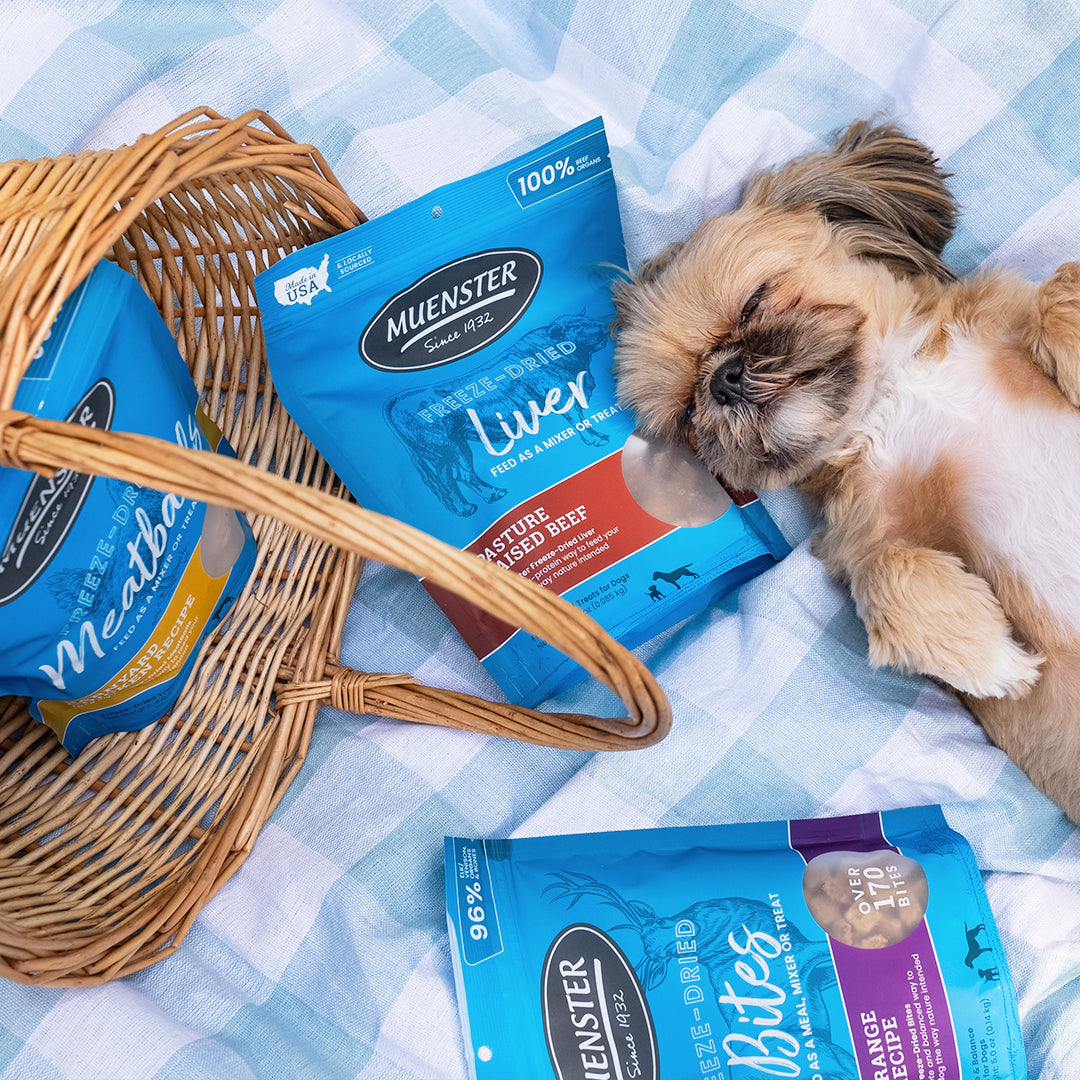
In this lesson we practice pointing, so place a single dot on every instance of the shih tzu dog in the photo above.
(814, 336)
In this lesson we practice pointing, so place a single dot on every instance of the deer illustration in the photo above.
(714, 920)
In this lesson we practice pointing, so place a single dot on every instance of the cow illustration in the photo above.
(490, 404)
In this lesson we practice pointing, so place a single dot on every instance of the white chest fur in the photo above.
(1017, 451)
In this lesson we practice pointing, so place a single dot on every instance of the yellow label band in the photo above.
(164, 654)
(209, 428)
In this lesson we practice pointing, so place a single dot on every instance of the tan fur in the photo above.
(1055, 341)
(998, 306)
(814, 336)
(1041, 731)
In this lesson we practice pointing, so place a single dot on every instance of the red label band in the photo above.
(558, 538)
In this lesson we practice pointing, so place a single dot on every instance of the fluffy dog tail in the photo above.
(881, 190)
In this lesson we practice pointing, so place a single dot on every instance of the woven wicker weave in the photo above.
(106, 860)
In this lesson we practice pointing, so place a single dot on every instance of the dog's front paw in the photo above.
(999, 669)
(927, 615)
(1012, 674)
(1005, 671)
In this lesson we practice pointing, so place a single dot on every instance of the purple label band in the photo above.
(894, 997)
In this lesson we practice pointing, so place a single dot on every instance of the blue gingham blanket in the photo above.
(326, 955)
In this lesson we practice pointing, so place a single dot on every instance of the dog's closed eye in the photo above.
(752, 304)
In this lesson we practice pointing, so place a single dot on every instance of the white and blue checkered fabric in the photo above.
(326, 955)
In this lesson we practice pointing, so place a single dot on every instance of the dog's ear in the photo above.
(652, 268)
(882, 191)
(625, 291)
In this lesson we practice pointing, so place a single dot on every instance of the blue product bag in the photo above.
(452, 361)
(108, 589)
(850, 948)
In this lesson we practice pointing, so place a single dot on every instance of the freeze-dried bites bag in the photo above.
(108, 589)
(719, 952)
(451, 360)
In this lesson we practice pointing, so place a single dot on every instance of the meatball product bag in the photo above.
(850, 948)
(108, 589)
(452, 361)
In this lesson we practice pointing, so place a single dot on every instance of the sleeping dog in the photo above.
(814, 336)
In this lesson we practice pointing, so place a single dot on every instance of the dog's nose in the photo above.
(726, 384)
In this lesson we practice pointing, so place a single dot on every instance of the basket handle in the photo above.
(47, 446)
(401, 697)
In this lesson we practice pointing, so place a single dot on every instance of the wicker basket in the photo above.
(106, 859)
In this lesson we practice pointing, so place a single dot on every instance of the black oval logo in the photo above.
(596, 1018)
(51, 505)
(453, 311)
